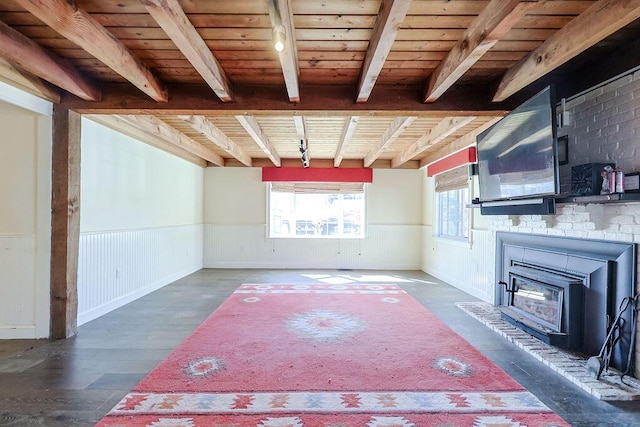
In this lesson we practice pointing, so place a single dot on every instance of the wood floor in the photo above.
(75, 382)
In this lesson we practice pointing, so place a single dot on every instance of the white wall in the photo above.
(465, 265)
(234, 196)
(395, 197)
(140, 220)
(236, 226)
(25, 158)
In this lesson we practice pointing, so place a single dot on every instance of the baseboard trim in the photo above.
(22, 332)
(458, 284)
(254, 265)
(103, 309)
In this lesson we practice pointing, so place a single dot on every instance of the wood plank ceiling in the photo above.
(392, 83)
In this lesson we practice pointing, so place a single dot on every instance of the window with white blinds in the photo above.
(452, 196)
(316, 210)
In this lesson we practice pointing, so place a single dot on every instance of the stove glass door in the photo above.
(538, 301)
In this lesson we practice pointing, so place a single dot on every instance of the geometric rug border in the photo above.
(139, 403)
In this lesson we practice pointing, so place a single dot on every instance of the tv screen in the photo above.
(517, 157)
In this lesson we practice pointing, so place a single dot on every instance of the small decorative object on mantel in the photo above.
(607, 175)
(612, 180)
(618, 175)
(587, 179)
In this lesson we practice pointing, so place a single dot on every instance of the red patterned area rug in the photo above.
(330, 356)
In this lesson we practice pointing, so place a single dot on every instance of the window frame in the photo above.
(462, 209)
(361, 235)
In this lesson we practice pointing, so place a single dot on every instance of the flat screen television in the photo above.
(517, 157)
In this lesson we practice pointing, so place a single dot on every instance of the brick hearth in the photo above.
(568, 364)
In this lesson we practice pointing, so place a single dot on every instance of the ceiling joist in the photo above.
(390, 17)
(459, 144)
(28, 82)
(497, 18)
(282, 16)
(210, 131)
(599, 21)
(170, 16)
(126, 127)
(301, 130)
(77, 25)
(347, 133)
(391, 134)
(437, 134)
(251, 125)
(155, 126)
(348, 68)
(301, 127)
(31, 57)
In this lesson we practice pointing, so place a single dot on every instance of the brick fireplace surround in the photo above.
(604, 273)
(602, 125)
(616, 222)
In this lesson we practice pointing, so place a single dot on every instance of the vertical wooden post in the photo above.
(65, 222)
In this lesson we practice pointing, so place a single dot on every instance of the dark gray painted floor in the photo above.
(77, 381)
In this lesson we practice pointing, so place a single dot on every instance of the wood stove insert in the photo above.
(544, 303)
(566, 291)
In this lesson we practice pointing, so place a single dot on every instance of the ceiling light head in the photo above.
(279, 38)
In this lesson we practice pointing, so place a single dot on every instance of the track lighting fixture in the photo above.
(303, 150)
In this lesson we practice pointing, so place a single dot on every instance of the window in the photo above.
(311, 210)
(452, 219)
(452, 195)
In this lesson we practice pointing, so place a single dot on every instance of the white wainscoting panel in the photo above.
(17, 287)
(117, 267)
(393, 247)
(467, 266)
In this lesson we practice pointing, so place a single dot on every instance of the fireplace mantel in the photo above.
(601, 198)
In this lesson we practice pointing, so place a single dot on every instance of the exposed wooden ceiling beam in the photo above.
(78, 26)
(157, 127)
(30, 56)
(251, 125)
(497, 18)
(391, 134)
(170, 16)
(318, 100)
(347, 133)
(281, 14)
(210, 131)
(437, 134)
(127, 128)
(390, 16)
(28, 82)
(597, 22)
(301, 130)
(301, 127)
(460, 143)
